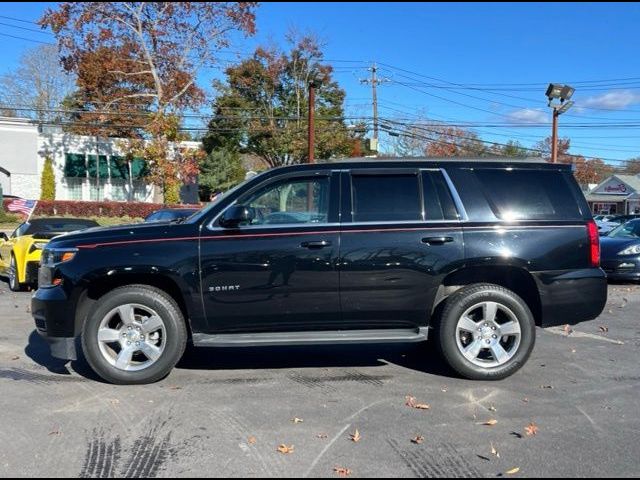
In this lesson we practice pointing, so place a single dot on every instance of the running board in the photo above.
(407, 335)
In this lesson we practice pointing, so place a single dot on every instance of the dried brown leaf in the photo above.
(531, 429)
(567, 329)
(513, 471)
(322, 435)
(412, 402)
(342, 471)
(297, 420)
(492, 408)
(489, 423)
(285, 449)
(355, 437)
(16, 357)
(417, 440)
(251, 440)
(603, 328)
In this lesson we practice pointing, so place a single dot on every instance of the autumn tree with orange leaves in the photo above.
(137, 64)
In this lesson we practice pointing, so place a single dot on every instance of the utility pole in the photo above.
(312, 107)
(374, 81)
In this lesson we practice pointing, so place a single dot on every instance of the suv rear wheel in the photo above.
(136, 334)
(486, 332)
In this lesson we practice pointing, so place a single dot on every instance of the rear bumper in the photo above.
(571, 297)
(54, 316)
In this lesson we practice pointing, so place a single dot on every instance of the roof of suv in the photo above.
(535, 162)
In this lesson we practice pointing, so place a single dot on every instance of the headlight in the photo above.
(55, 256)
(632, 250)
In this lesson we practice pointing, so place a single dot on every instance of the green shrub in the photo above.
(48, 181)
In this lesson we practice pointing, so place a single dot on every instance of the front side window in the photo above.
(385, 198)
(290, 202)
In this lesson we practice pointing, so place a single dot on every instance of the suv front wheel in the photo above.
(486, 332)
(136, 334)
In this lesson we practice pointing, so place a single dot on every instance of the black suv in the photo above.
(473, 253)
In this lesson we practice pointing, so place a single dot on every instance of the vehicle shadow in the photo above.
(419, 357)
(38, 350)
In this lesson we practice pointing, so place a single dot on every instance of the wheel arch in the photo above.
(99, 286)
(517, 279)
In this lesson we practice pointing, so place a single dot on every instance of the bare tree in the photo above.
(37, 86)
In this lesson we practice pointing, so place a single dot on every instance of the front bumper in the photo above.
(622, 267)
(54, 316)
(570, 297)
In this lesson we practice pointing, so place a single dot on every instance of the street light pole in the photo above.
(562, 93)
(554, 137)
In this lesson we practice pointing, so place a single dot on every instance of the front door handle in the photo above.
(437, 240)
(316, 244)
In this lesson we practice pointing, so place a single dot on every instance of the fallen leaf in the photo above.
(411, 402)
(322, 435)
(516, 434)
(342, 471)
(531, 429)
(492, 408)
(603, 329)
(546, 387)
(114, 401)
(513, 471)
(297, 420)
(444, 389)
(355, 437)
(285, 449)
(525, 400)
(417, 440)
(494, 451)
(251, 440)
(16, 357)
(489, 423)
(567, 329)
(55, 432)
(573, 350)
(175, 387)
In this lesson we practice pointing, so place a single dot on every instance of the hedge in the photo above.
(98, 209)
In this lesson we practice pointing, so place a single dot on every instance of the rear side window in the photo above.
(528, 194)
(437, 198)
(381, 198)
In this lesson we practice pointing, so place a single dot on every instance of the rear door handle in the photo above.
(316, 244)
(437, 240)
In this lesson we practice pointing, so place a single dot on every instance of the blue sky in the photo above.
(486, 63)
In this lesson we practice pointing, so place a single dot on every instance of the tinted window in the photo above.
(437, 198)
(292, 201)
(528, 194)
(58, 226)
(379, 198)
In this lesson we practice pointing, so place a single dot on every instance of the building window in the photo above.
(75, 165)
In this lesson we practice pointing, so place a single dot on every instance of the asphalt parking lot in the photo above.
(225, 412)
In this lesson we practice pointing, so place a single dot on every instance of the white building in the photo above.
(616, 194)
(86, 168)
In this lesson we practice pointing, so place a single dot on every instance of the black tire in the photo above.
(175, 341)
(462, 300)
(14, 276)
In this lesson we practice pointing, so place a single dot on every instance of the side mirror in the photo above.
(235, 215)
(3, 236)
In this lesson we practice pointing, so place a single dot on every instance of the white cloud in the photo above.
(528, 115)
(618, 100)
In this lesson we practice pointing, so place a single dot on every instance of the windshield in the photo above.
(626, 230)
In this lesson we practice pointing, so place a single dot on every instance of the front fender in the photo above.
(23, 255)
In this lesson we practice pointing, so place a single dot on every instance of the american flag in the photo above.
(26, 207)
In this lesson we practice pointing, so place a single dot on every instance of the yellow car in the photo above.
(20, 252)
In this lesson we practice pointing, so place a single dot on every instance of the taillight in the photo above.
(594, 244)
